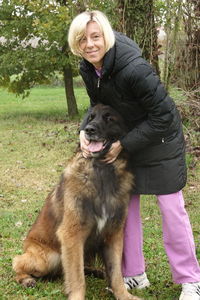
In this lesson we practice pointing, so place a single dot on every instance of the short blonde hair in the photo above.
(78, 27)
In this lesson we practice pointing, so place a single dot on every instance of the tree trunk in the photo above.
(187, 63)
(167, 47)
(137, 22)
(69, 91)
(171, 44)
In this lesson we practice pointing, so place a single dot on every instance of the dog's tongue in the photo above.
(95, 146)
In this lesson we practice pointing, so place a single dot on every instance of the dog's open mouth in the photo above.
(97, 146)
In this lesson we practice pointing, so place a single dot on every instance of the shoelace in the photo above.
(190, 289)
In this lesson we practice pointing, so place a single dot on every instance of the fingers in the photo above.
(85, 153)
(113, 153)
(109, 160)
(83, 140)
(84, 145)
(110, 157)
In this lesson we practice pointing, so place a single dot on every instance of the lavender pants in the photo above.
(177, 235)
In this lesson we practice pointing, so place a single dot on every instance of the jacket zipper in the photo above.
(98, 82)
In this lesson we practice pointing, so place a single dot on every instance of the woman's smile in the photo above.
(92, 45)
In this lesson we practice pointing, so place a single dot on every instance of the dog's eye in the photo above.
(108, 117)
(91, 117)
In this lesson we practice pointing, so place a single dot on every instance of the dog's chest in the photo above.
(102, 219)
(104, 205)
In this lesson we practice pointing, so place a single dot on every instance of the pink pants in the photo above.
(177, 235)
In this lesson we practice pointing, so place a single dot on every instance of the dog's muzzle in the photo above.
(97, 143)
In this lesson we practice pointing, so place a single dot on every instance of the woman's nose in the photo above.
(90, 42)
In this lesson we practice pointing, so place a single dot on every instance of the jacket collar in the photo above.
(108, 63)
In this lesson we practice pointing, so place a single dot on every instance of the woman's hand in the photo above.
(84, 144)
(113, 153)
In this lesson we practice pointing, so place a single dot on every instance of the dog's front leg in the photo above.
(72, 237)
(113, 256)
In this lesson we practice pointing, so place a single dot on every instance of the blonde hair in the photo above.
(78, 27)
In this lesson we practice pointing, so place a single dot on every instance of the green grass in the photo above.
(36, 139)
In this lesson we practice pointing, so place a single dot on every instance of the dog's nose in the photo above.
(90, 129)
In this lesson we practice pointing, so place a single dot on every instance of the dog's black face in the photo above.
(104, 126)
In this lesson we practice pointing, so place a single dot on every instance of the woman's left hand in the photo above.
(113, 153)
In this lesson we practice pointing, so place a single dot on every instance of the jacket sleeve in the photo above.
(91, 97)
(150, 94)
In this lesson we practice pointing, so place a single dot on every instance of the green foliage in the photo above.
(34, 46)
(166, 12)
(34, 40)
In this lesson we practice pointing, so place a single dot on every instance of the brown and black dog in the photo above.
(83, 215)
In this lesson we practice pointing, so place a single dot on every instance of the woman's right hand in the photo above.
(84, 144)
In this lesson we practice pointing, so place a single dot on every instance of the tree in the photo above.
(180, 19)
(33, 40)
(187, 67)
(34, 45)
(137, 21)
(172, 26)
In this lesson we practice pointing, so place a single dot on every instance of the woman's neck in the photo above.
(98, 71)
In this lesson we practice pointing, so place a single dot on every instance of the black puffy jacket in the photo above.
(155, 139)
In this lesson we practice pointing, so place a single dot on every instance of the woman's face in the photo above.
(92, 45)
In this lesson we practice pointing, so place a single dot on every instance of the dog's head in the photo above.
(103, 127)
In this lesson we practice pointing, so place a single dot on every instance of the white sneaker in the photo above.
(190, 291)
(138, 282)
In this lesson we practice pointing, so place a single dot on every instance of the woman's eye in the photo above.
(83, 39)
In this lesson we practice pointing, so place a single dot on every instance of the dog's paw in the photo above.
(28, 282)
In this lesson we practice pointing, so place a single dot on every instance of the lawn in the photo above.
(36, 140)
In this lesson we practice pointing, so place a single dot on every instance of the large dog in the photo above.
(83, 215)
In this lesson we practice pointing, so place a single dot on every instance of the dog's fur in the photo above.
(83, 215)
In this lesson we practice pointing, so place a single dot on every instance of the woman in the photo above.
(115, 74)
